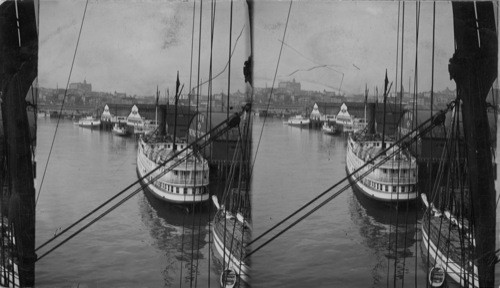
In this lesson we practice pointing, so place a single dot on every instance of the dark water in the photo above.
(140, 244)
(345, 243)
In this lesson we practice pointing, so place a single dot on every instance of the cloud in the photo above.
(172, 27)
(375, 11)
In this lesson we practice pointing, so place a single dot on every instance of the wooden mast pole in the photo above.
(474, 69)
(18, 70)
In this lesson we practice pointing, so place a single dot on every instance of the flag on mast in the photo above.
(157, 95)
(386, 82)
(177, 84)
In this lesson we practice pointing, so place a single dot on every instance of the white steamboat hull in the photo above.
(241, 269)
(452, 268)
(391, 197)
(144, 166)
(120, 132)
(299, 123)
(90, 124)
(382, 196)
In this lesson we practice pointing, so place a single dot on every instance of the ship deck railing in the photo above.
(450, 239)
(394, 180)
(188, 181)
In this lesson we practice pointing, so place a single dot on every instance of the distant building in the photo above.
(290, 87)
(81, 87)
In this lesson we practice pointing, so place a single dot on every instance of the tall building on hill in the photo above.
(290, 86)
(81, 87)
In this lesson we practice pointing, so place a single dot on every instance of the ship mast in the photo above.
(474, 69)
(366, 100)
(177, 95)
(386, 81)
(18, 70)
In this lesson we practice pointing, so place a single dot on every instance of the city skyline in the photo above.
(336, 46)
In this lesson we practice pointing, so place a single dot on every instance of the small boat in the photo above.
(436, 276)
(298, 121)
(120, 130)
(89, 122)
(330, 128)
(228, 278)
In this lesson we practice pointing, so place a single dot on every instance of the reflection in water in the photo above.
(391, 235)
(181, 235)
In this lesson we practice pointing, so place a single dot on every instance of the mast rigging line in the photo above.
(62, 104)
(219, 130)
(142, 186)
(435, 121)
(227, 63)
(272, 89)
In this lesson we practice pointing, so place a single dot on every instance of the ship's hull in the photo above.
(453, 269)
(330, 130)
(90, 124)
(353, 163)
(299, 123)
(120, 132)
(230, 260)
(144, 166)
(381, 196)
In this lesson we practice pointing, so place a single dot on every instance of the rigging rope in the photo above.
(189, 113)
(216, 132)
(435, 121)
(212, 30)
(142, 186)
(432, 113)
(400, 107)
(395, 99)
(62, 104)
(272, 87)
(197, 111)
(415, 112)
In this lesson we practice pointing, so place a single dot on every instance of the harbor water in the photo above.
(343, 244)
(349, 242)
(140, 244)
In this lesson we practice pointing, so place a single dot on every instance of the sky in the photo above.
(133, 46)
(344, 45)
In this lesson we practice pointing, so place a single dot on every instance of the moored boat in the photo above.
(230, 233)
(184, 183)
(436, 276)
(459, 222)
(393, 181)
(89, 122)
(298, 121)
(232, 224)
(120, 130)
(330, 128)
(228, 278)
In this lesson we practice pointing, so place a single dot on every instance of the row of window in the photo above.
(383, 187)
(388, 188)
(187, 174)
(404, 172)
(180, 190)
